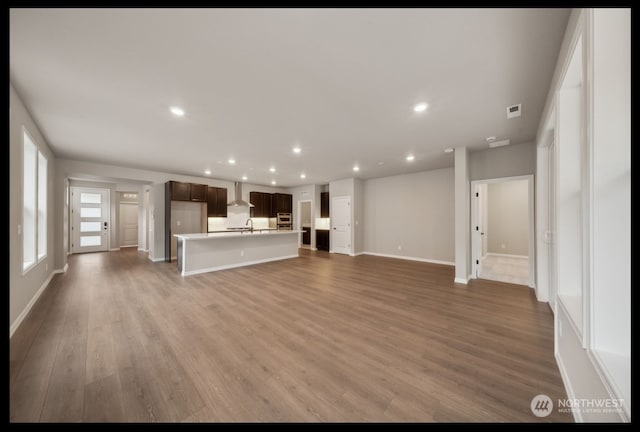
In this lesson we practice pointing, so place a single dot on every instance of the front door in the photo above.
(341, 221)
(90, 219)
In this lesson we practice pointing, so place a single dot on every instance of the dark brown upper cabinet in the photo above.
(198, 192)
(281, 203)
(216, 202)
(181, 191)
(324, 204)
(262, 203)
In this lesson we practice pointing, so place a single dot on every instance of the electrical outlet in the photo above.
(46, 266)
(242, 253)
(399, 247)
(178, 223)
(503, 246)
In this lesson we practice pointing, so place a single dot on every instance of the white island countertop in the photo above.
(234, 233)
(234, 248)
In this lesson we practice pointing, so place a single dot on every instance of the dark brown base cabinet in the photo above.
(306, 235)
(322, 240)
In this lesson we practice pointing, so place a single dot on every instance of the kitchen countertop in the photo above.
(235, 233)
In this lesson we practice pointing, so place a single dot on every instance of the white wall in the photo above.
(413, 211)
(508, 217)
(24, 289)
(508, 161)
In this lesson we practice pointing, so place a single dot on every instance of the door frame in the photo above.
(475, 244)
(299, 223)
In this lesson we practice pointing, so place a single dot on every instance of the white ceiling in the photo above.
(341, 84)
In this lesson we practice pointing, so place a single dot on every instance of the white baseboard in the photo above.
(114, 249)
(356, 254)
(155, 259)
(577, 415)
(129, 246)
(314, 249)
(63, 269)
(431, 261)
(507, 255)
(461, 281)
(34, 299)
(142, 250)
(241, 264)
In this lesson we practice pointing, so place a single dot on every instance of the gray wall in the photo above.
(507, 161)
(413, 211)
(462, 215)
(23, 288)
(508, 212)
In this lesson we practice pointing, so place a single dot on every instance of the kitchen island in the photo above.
(202, 252)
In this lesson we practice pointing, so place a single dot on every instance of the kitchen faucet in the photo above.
(247, 223)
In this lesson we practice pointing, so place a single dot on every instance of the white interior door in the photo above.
(341, 221)
(128, 224)
(90, 219)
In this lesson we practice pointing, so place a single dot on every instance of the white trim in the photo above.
(142, 250)
(577, 415)
(155, 259)
(127, 246)
(608, 382)
(114, 249)
(356, 254)
(34, 299)
(431, 261)
(461, 281)
(241, 264)
(63, 270)
(506, 255)
(314, 249)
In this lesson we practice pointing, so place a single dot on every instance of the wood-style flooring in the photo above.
(322, 337)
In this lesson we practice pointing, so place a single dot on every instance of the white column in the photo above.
(462, 218)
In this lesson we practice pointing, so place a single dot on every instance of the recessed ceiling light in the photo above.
(244, 178)
(356, 168)
(410, 158)
(273, 182)
(448, 150)
(272, 169)
(177, 111)
(303, 175)
(207, 172)
(420, 107)
(231, 161)
(297, 150)
(380, 163)
(490, 139)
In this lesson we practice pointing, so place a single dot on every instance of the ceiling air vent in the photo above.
(514, 111)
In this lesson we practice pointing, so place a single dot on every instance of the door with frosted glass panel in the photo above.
(90, 219)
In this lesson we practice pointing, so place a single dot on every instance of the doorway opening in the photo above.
(304, 222)
(503, 230)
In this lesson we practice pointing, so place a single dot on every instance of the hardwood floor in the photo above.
(318, 338)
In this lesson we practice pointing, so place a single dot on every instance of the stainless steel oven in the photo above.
(284, 221)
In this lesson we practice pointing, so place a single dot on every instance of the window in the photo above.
(34, 211)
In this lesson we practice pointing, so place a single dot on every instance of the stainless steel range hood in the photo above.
(238, 201)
